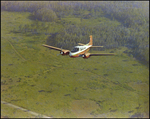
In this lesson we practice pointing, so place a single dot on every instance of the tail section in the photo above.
(91, 40)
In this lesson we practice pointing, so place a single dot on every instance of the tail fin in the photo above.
(91, 40)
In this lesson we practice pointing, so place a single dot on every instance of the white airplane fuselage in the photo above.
(79, 50)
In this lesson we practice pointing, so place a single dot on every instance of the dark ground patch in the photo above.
(116, 82)
(130, 72)
(105, 74)
(135, 64)
(67, 94)
(19, 80)
(137, 108)
(113, 110)
(41, 91)
(130, 111)
(111, 52)
(137, 115)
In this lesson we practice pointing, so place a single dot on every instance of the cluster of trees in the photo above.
(133, 16)
(34, 28)
(126, 12)
(45, 14)
(72, 34)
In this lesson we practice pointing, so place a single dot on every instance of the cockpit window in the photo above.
(75, 49)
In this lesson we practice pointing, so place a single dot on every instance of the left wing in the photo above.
(102, 54)
(55, 48)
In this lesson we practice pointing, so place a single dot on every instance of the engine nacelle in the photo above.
(86, 55)
(64, 52)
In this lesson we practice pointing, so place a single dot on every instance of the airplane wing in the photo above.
(55, 48)
(102, 54)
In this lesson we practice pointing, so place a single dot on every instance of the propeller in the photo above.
(60, 52)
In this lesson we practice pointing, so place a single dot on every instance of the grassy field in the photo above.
(90, 22)
(35, 78)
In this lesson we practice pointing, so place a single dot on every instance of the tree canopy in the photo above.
(45, 14)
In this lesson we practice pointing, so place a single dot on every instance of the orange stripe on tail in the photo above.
(91, 40)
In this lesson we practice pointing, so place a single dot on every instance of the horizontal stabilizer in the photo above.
(102, 54)
(81, 44)
(96, 46)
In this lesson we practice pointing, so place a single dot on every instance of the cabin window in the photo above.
(83, 48)
(75, 50)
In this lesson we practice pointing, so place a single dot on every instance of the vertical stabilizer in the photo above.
(91, 40)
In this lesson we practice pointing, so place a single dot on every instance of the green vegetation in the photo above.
(129, 20)
(35, 78)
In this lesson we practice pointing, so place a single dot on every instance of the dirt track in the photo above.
(20, 108)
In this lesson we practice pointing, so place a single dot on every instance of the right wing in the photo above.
(102, 54)
(55, 48)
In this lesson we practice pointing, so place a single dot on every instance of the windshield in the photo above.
(75, 49)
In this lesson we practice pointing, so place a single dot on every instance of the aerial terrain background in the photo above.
(38, 79)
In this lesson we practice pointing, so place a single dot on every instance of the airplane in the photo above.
(80, 51)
